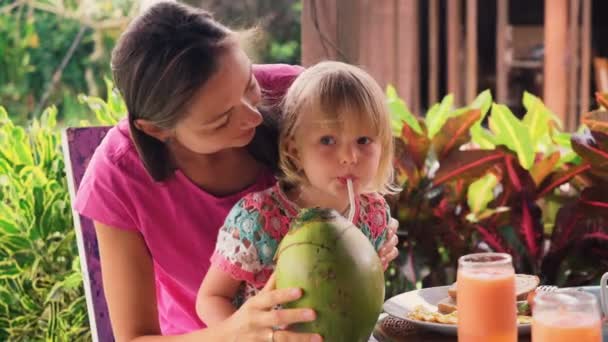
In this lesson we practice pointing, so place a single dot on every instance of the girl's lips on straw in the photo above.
(344, 179)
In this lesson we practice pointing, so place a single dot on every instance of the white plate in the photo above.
(400, 305)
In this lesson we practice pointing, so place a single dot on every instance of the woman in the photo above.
(160, 184)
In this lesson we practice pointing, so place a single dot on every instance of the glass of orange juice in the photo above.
(566, 315)
(486, 300)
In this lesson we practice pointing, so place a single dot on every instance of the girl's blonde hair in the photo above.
(341, 93)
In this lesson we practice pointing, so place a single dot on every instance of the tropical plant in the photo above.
(52, 51)
(468, 188)
(41, 294)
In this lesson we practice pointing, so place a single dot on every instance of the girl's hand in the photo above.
(388, 252)
(256, 320)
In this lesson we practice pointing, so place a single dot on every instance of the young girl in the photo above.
(336, 127)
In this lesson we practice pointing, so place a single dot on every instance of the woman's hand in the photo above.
(388, 252)
(256, 320)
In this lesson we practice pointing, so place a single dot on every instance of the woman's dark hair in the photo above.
(162, 59)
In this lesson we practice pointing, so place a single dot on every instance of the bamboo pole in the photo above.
(502, 19)
(573, 65)
(454, 48)
(433, 14)
(555, 71)
(471, 34)
(586, 36)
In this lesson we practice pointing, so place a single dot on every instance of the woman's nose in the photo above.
(251, 117)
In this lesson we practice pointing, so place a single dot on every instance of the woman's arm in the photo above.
(128, 278)
(214, 298)
(128, 282)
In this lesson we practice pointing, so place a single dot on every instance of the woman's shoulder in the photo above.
(117, 153)
(117, 144)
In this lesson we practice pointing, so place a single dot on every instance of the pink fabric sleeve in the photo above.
(103, 195)
(275, 79)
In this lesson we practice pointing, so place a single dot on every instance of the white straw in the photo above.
(351, 199)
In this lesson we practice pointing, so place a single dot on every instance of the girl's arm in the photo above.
(215, 295)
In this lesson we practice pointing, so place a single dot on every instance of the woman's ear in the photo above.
(152, 130)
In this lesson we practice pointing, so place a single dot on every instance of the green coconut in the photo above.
(339, 271)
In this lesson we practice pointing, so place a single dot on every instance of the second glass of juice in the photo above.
(486, 300)
(565, 316)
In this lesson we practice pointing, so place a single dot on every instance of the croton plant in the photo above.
(479, 178)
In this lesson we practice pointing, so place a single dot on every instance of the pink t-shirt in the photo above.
(178, 220)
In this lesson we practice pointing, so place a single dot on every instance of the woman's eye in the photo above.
(327, 140)
(364, 141)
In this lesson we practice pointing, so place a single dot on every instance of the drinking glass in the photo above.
(486, 300)
(566, 315)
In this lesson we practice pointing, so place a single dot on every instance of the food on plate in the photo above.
(420, 313)
(447, 310)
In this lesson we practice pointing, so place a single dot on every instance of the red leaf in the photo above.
(594, 201)
(455, 132)
(558, 178)
(492, 239)
(541, 169)
(416, 145)
(566, 222)
(596, 236)
(531, 234)
(585, 145)
(463, 164)
(511, 172)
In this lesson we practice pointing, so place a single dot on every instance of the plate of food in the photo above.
(434, 308)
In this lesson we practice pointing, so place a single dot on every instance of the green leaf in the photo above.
(14, 243)
(537, 119)
(512, 133)
(438, 114)
(481, 192)
(9, 269)
(400, 113)
(21, 146)
(482, 137)
(483, 102)
(531, 102)
(7, 227)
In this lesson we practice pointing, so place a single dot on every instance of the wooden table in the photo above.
(382, 333)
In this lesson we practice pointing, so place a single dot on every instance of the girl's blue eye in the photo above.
(327, 140)
(364, 141)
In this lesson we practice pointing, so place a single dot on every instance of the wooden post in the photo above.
(454, 49)
(380, 36)
(348, 30)
(319, 31)
(433, 15)
(407, 66)
(502, 20)
(573, 75)
(471, 34)
(555, 68)
(585, 57)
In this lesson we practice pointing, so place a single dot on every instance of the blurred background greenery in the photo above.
(54, 50)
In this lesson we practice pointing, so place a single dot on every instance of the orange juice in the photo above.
(566, 315)
(566, 327)
(486, 304)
